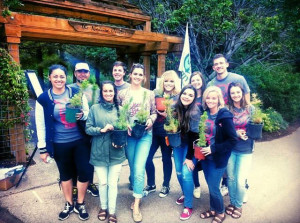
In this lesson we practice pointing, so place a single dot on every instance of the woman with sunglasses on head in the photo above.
(63, 140)
(198, 82)
(106, 159)
(221, 137)
(168, 86)
(138, 149)
(239, 163)
(188, 115)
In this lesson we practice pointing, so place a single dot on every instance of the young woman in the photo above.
(221, 137)
(198, 82)
(137, 150)
(106, 159)
(240, 159)
(188, 115)
(63, 140)
(168, 86)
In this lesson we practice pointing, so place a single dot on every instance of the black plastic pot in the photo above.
(119, 138)
(71, 113)
(254, 131)
(174, 139)
(138, 130)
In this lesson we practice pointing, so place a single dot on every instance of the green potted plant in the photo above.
(75, 104)
(142, 116)
(119, 134)
(201, 142)
(172, 125)
(255, 125)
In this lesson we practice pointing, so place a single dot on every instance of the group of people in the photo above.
(77, 153)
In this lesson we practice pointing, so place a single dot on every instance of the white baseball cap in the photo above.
(82, 66)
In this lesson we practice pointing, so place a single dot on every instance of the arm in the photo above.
(230, 136)
(153, 114)
(90, 127)
(85, 107)
(192, 136)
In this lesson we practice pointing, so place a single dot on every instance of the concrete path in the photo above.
(273, 193)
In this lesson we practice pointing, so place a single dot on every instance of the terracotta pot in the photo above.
(159, 104)
(174, 139)
(254, 131)
(71, 113)
(198, 154)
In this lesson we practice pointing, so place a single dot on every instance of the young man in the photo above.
(82, 72)
(222, 80)
(118, 72)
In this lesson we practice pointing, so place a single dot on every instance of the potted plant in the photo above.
(201, 142)
(142, 116)
(159, 102)
(255, 125)
(119, 134)
(75, 104)
(173, 137)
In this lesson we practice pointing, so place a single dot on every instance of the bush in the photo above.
(277, 86)
(274, 121)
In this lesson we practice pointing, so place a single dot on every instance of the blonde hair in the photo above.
(172, 74)
(210, 89)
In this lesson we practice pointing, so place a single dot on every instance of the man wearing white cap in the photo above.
(82, 72)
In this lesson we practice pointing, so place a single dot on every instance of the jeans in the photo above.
(184, 176)
(108, 186)
(137, 151)
(166, 152)
(213, 178)
(238, 168)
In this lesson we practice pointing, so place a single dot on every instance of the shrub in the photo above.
(274, 121)
(278, 87)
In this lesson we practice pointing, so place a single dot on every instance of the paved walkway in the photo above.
(273, 194)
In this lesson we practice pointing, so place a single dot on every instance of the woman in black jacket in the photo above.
(221, 137)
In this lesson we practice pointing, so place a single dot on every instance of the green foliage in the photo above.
(202, 139)
(172, 124)
(274, 121)
(10, 4)
(76, 100)
(142, 115)
(122, 122)
(258, 115)
(14, 94)
(278, 87)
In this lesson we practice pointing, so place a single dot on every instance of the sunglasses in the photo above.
(82, 71)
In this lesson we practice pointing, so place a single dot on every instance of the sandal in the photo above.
(237, 213)
(229, 209)
(219, 218)
(112, 218)
(102, 215)
(207, 214)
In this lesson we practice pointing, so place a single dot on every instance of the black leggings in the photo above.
(73, 157)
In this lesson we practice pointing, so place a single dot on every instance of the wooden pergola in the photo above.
(116, 24)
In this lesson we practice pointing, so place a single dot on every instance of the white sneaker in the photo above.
(197, 192)
(245, 197)
(224, 190)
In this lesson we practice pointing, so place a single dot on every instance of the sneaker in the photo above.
(186, 214)
(164, 191)
(180, 200)
(93, 190)
(66, 212)
(224, 190)
(74, 193)
(81, 211)
(197, 192)
(245, 199)
(150, 189)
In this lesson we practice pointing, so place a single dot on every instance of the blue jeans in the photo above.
(166, 152)
(238, 168)
(137, 152)
(108, 186)
(184, 176)
(213, 178)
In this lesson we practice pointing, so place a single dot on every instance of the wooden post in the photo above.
(146, 61)
(161, 62)
(13, 35)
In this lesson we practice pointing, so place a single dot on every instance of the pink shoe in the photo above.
(180, 200)
(186, 214)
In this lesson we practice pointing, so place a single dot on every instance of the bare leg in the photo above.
(67, 190)
(81, 190)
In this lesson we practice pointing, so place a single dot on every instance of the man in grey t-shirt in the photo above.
(118, 72)
(224, 78)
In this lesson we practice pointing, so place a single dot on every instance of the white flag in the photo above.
(185, 61)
